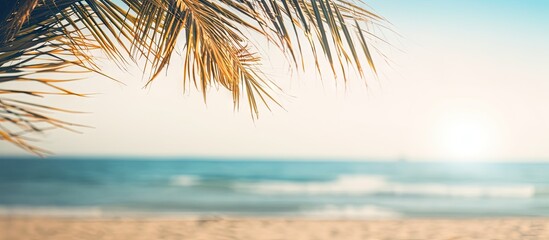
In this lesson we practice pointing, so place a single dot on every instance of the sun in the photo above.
(465, 136)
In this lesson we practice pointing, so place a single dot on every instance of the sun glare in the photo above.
(465, 136)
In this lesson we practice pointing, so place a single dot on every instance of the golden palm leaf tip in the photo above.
(57, 37)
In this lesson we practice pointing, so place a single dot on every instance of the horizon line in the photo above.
(129, 157)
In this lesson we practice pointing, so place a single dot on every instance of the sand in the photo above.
(45, 228)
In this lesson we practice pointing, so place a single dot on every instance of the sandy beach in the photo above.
(41, 228)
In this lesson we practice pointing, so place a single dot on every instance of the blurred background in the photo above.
(271, 188)
(456, 125)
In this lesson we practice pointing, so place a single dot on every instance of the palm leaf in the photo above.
(60, 37)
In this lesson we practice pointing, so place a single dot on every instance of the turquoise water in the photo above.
(210, 187)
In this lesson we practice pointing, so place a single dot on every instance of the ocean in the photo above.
(113, 187)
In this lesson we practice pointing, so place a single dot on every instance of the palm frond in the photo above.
(60, 37)
(50, 45)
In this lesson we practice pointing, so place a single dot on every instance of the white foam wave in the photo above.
(50, 211)
(369, 184)
(344, 184)
(471, 191)
(184, 180)
(352, 212)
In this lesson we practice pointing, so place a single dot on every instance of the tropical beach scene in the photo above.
(280, 119)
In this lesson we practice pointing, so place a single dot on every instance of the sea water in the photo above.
(271, 188)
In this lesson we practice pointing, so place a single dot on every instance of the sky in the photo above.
(470, 84)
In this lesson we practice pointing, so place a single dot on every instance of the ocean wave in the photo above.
(48, 211)
(184, 180)
(93, 212)
(352, 212)
(362, 184)
(371, 184)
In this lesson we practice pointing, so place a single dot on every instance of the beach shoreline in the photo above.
(213, 228)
